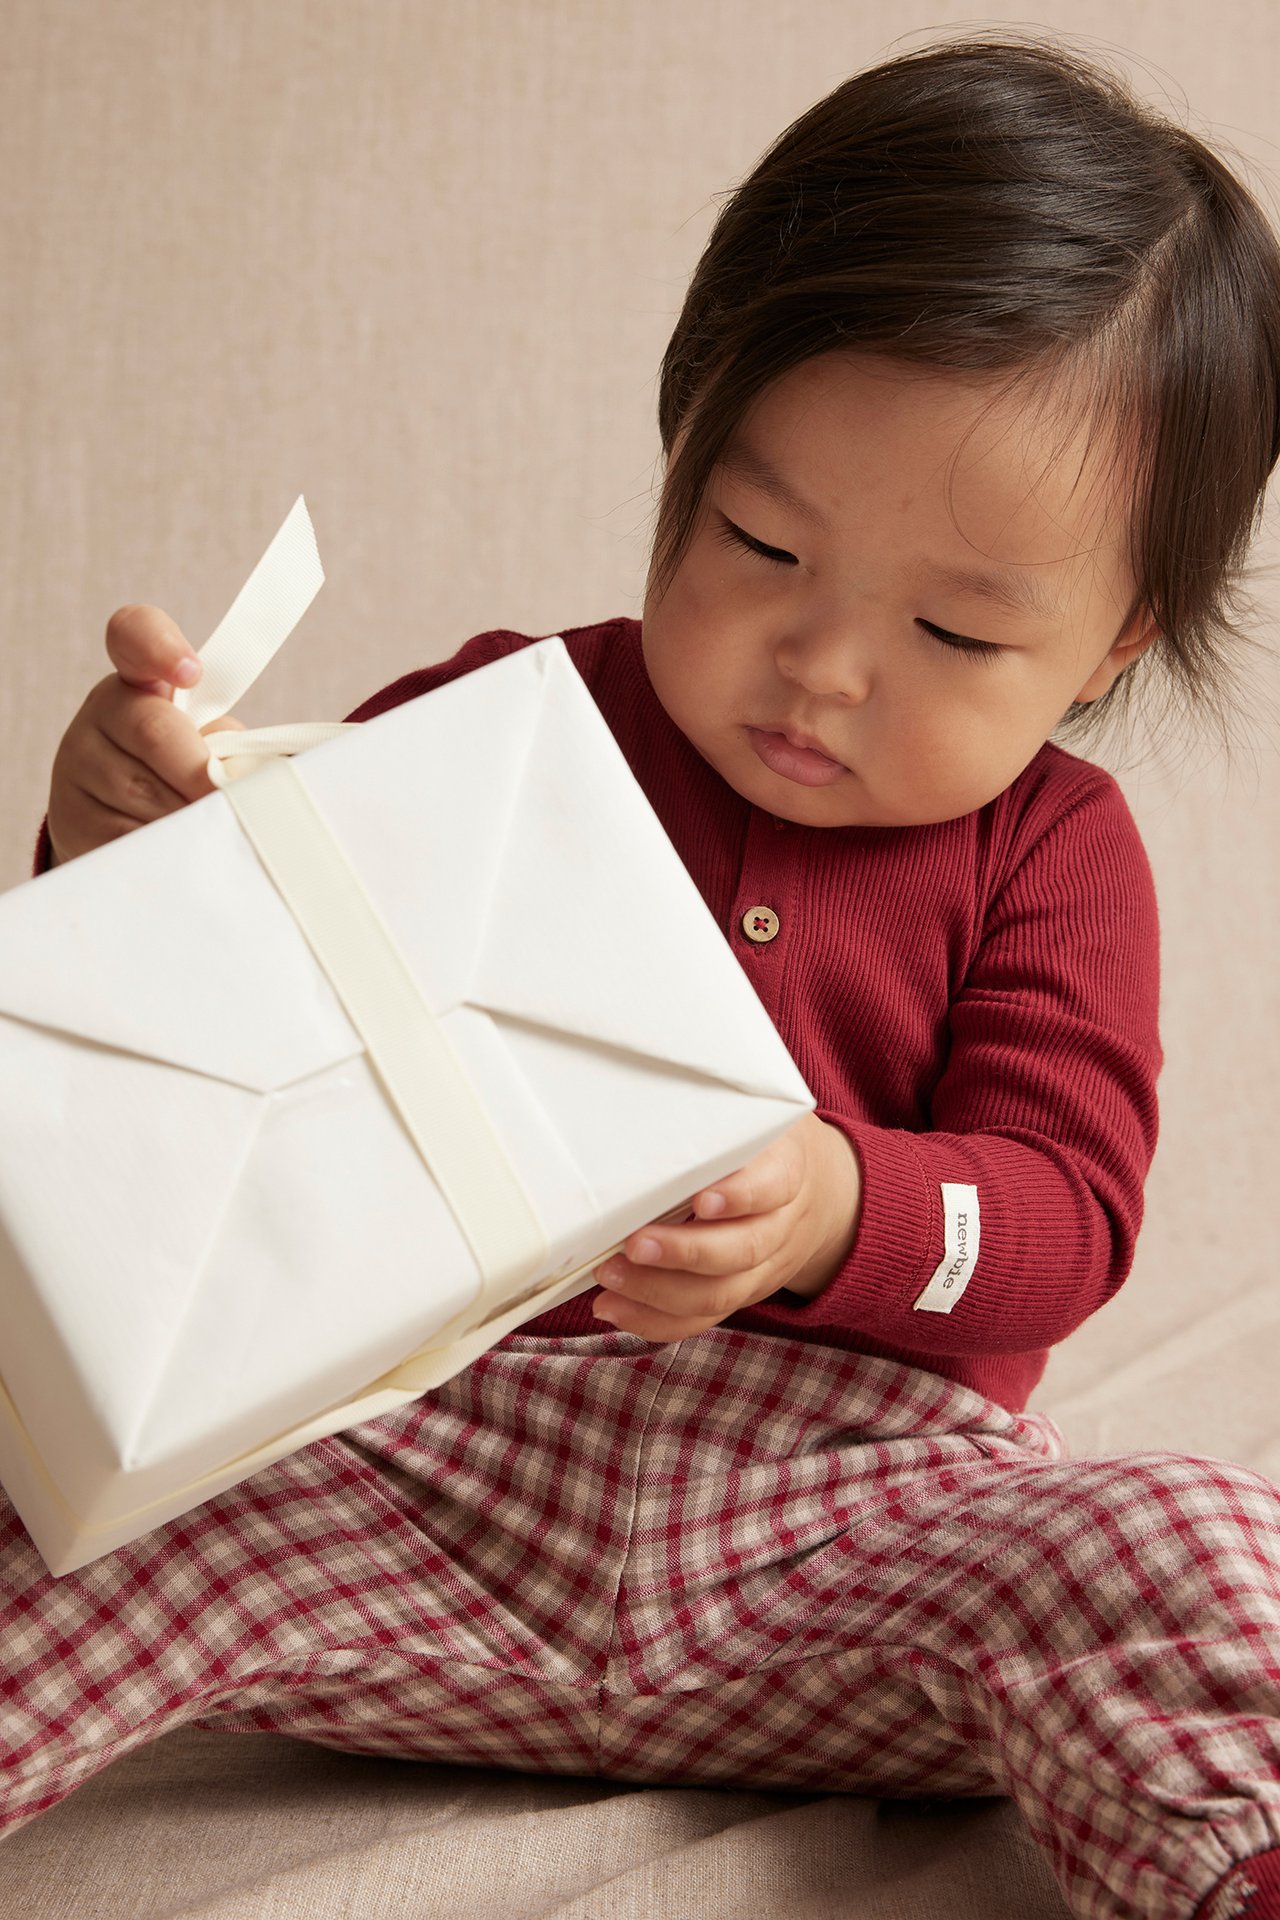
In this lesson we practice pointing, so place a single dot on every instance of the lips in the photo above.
(806, 742)
(796, 756)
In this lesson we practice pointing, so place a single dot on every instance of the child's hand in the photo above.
(129, 755)
(788, 1220)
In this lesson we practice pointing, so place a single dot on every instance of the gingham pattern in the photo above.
(738, 1559)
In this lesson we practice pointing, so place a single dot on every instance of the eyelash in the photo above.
(733, 536)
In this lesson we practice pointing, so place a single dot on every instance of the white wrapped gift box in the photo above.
(314, 1089)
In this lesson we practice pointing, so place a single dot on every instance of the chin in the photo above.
(809, 809)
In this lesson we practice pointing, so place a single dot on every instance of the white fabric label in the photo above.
(961, 1234)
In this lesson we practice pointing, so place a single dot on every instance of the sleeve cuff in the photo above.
(899, 1221)
(900, 1214)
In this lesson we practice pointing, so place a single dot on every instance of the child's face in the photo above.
(828, 644)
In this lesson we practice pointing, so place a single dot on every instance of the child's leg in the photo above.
(848, 1574)
(440, 1584)
(407, 1588)
(736, 1559)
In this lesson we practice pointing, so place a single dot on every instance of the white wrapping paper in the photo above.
(220, 1236)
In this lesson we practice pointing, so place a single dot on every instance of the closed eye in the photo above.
(733, 536)
(978, 649)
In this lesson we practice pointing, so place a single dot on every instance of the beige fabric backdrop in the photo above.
(418, 259)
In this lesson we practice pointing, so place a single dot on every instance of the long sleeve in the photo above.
(1046, 1106)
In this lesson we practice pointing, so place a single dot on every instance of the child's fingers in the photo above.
(122, 784)
(649, 1322)
(668, 1306)
(769, 1181)
(644, 1267)
(100, 791)
(705, 1296)
(85, 822)
(97, 791)
(155, 733)
(145, 647)
(729, 1246)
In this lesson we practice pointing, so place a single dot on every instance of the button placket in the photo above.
(765, 893)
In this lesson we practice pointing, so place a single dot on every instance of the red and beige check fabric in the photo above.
(736, 1559)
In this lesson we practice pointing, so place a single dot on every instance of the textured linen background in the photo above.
(418, 259)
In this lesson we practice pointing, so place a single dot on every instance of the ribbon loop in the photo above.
(232, 754)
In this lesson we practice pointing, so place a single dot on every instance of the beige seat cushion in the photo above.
(224, 1826)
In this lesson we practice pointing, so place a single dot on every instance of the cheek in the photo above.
(955, 737)
(700, 633)
(679, 655)
(688, 608)
(701, 592)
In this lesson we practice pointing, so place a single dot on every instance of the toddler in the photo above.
(968, 418)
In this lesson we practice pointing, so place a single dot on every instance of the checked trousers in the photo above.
(738, 1559)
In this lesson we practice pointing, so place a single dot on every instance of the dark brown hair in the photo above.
(999, 208)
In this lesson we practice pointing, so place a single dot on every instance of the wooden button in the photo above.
(760, 924)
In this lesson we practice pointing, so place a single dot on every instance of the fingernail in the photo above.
(605, 1310)
(711, 1203)
(647, 1250)
(608, 1275)
(187, 671)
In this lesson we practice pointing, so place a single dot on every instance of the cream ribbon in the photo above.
(256, 625)
(407, 1045)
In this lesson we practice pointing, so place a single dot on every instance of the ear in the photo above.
(1137, 634)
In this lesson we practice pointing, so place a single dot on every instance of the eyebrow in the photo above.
(1005, 586)
(758, 473)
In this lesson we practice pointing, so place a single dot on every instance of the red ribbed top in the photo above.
(973, 1001)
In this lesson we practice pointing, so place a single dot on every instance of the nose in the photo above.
(827, 661)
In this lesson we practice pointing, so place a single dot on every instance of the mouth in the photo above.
(797, 757)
